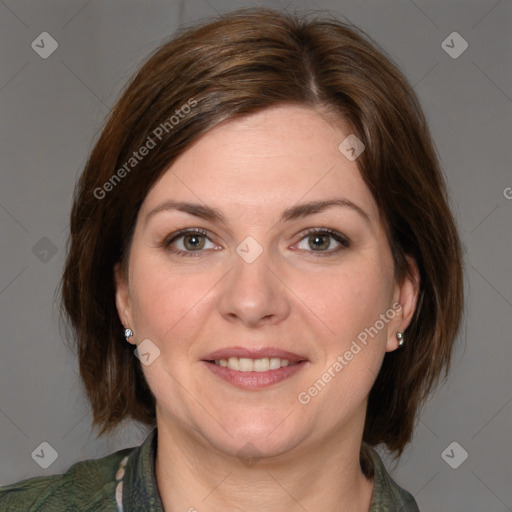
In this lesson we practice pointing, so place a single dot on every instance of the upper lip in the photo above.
(252, 353)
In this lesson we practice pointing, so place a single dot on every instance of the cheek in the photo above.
(353, 349)
(352, 299)
(356, 311)
(166, 302)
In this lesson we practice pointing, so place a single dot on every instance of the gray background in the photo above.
(51, 110)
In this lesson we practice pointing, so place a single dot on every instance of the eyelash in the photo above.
(338, 237)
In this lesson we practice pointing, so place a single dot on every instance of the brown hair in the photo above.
(235, 65)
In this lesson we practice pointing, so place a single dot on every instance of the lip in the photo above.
(254, 381)
(226, 353)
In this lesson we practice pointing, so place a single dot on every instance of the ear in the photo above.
(406, 295)
(123, 298)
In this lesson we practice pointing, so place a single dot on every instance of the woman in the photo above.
(263, 267)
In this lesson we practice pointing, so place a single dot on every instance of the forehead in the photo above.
(267, 160)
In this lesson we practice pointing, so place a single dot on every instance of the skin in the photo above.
(294, 296)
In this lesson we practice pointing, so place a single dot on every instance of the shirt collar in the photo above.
(387, 494)
(140, 490)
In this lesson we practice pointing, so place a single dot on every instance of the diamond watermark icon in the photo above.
(45, 455)
(454, 45)
(249, 250)
(146, 352)
(454, 455)
(44, 45)
(351, 147)
(44, 249)
(249, 454)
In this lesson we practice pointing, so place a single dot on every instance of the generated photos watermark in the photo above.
(304, 397)
(151, 142)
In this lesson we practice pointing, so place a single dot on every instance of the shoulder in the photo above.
(87, 486)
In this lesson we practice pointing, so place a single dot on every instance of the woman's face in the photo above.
(269, 268)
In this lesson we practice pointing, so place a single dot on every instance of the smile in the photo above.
(245, 364)
(259, 377)
(254, 369)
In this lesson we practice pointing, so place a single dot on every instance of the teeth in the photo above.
(261, 365)
(233, 363)
(244, 364)
(275, 363)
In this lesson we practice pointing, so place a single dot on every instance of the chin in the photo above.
(255, 439)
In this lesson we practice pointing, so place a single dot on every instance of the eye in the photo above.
(188, 241)
(323, 240)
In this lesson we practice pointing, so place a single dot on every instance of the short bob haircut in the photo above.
(235, 65)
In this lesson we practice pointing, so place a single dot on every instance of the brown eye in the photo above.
(193, 242)
(322, 240)
(189, 242)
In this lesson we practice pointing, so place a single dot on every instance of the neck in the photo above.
(194, 476)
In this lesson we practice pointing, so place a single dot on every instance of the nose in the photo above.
(254, 293)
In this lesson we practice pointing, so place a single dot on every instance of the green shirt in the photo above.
(125, 482)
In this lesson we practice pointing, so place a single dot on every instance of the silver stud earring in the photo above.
(400, 338)
(128, 333)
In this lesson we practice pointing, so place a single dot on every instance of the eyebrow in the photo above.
(293, 213)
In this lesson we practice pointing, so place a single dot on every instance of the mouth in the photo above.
(245, 364)
(254, 369)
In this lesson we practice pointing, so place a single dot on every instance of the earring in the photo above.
(400, 338)
(128, 333)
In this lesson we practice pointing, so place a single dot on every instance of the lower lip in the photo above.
(254, 381)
